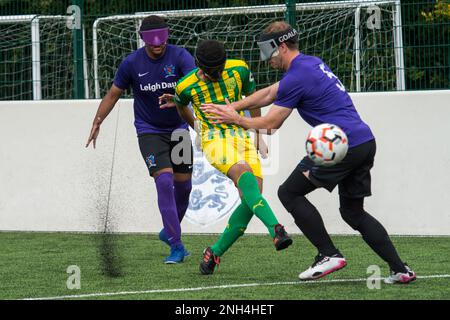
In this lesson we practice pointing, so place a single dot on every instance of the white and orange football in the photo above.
(326, 144)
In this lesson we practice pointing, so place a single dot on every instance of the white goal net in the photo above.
(359, 40)
(36, 58)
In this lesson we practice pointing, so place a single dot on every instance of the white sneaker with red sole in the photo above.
(323, 266)
(400, 277)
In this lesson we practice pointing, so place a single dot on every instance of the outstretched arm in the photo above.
(257, 100)
(106, 105)
(186, 114)
(226, 114)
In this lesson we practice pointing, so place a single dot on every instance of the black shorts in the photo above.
(167, 150)
(352, 174)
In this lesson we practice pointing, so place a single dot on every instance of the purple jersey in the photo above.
(319, 96)
(150, 79)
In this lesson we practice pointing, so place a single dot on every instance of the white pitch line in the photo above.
(241, 285)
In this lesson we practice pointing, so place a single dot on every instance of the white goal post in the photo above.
(362, 37)
(38, 57)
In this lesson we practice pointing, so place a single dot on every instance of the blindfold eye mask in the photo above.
(269, 42)
(155, 37)
(212, 72)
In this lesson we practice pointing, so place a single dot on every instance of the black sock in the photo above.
(376, 236)
(308, 219)
(292, 195)
(372, 231)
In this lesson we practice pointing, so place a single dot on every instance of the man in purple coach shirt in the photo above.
(309, 86)
(153, 71)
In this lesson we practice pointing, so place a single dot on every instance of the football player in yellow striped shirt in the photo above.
(227, 147)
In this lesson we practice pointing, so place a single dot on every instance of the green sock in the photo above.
(235, 228)
(250, 194)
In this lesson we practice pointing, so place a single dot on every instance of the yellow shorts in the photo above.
(223, 149)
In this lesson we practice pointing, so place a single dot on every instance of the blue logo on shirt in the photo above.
(150, 160)
(169, 70)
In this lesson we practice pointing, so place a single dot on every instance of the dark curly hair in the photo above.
(153, 22)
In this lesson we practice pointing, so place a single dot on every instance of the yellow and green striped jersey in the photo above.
(236, 80)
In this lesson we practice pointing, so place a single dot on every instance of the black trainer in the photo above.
(210, 260)
(281, 239)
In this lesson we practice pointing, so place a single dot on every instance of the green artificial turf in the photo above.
(33, 265)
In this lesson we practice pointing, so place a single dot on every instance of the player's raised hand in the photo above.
(93, 135)
(219, 113)
(166, 101)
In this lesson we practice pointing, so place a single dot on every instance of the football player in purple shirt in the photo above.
(153, 71)
(309, 86)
